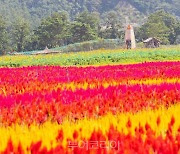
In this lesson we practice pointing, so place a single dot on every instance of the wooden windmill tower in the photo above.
(130, 37)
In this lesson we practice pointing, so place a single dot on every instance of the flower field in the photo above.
(129, 108)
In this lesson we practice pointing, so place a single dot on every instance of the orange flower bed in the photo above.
(34, 96)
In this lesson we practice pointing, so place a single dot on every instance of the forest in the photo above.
(35, 10)
(33, 25)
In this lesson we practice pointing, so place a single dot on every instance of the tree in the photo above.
(111, 29)
(170, 22)
(82, 32)
(20, 34)
(33, 43)
(177, 32)
(177, 40)
(53, 31)
(161, 25)
(3, 36)
(85, 27)
(158, 30)
(91, 19)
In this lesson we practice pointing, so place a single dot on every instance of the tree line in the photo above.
(58, 30)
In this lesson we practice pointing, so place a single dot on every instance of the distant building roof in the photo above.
(149, 39)
(46, 51)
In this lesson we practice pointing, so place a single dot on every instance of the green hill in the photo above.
(35, 10)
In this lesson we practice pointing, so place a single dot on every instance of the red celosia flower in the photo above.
(60, 136)
(158, 121)
(75, 135)
(129, 124)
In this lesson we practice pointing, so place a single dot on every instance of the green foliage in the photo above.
(91, 45)
(161, 25)
(53, 31)
(98, 57)
(3, 36)
(82, 32)
(150, 6)
(177, 40)
(20, 34)
(112, 27)
(35, 10)
(177, 32)
(91, 19)
(85, 27)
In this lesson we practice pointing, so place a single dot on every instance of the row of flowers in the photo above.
(57, 105)
(149, 131)
(37, 78)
